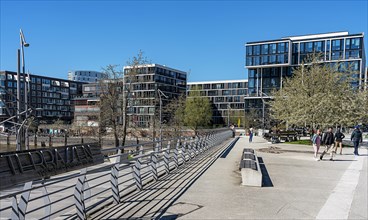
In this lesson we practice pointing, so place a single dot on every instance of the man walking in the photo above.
(356, 137)
(328, 140)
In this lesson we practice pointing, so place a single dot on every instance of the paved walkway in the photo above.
(295, 187)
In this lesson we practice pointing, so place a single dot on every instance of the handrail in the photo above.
(93, 186)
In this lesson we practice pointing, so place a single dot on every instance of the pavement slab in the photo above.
(295, 186)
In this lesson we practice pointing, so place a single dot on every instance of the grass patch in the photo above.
(308, 142)
(301, 142)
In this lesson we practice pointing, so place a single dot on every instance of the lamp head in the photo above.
(25, 44)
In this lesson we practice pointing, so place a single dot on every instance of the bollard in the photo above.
(167, 158)
(47, 202)
(8, 140)
(19, 209)
(183, 150)
(81, 193)
(153, 165)
(114, 177)
(137, 170)
(176, 153)
(50, 141)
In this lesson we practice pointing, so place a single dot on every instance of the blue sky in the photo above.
(204, 37)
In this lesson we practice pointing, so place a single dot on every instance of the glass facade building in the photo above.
(226, 97)
(269, 62)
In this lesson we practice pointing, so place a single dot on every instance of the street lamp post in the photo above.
(22, 137)
(25, 80)
(228, 115)
(160, 94)
(263, 111)
(18, 134)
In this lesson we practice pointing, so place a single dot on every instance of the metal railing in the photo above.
(83, 192)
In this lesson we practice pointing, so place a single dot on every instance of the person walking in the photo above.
(338, 140)
(328, 141)
(356, 137)
(316, 141)
(250, 135)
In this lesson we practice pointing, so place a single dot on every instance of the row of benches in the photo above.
(281, 136)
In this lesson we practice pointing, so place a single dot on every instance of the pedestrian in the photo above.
(338, 140)
(250, 135)
(356, 137)
(316, 141)
(328, 140)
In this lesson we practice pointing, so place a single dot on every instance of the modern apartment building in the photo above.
(52, 95)
(85, 76)
(87, 106)
(227, 98)
(143, 100)
(270, 61)
(146, 81)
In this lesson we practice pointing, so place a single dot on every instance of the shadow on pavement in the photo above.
(266, 179)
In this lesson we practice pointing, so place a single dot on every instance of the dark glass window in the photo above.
(281, 48)
(249, 61)
(266, 72)
(265, 49)
(335, 55)
(249, 50)
(355, 43)
(273, 48)
(309, 47)
(273, 59)
(352, 54)
(328, 45)
(286, 47)
(302, 47)
(264, 60)
(336, 45)
(347, 43)
(256, 61)
(280, 58)
(256, 50)
(251, 73)
(251, 83)
(295, 48)
(318, 46)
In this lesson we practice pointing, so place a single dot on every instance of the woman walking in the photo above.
(316, 141)
(338, 140)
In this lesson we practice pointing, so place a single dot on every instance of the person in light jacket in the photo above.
(316, 141)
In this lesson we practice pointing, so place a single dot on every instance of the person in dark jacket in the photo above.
(328, 140)
(338, 139)
(356, 137)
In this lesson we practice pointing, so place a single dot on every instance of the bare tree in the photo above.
(110, 99)
(131, 78)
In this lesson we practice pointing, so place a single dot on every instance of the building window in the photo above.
(355, 43)
(336, 45)
(265, 49)
(281, 48)
(309, 47)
